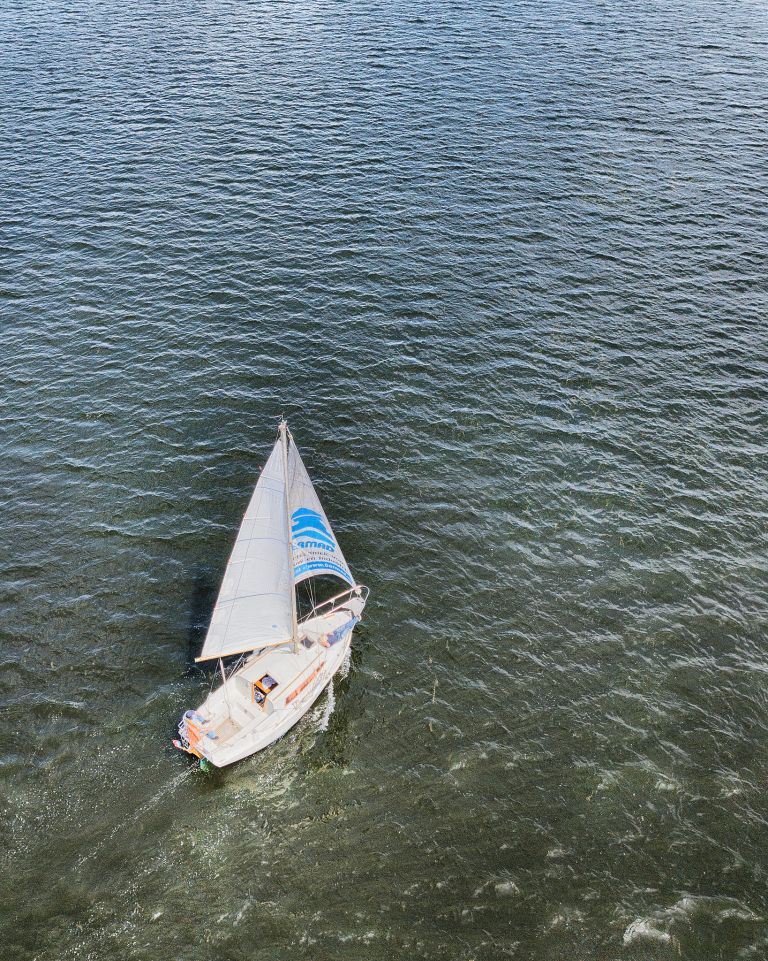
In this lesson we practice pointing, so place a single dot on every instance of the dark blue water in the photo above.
(503, 266)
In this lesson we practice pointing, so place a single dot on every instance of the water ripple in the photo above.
(503, 267)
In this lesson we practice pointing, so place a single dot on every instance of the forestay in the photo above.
(314, 546)
(253, 608)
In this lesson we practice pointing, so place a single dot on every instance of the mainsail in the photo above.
(255, 604)
(253, 608)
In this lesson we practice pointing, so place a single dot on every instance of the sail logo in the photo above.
(309, 531)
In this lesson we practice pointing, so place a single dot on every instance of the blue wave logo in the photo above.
(308, 530)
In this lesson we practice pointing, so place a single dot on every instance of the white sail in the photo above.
(315, 548)
(253, 608)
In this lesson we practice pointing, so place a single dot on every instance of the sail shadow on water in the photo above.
(201, 603)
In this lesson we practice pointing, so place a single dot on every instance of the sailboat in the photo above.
(283, 662)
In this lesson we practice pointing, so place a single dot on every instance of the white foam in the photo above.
(506, 889)
(644, 930)
(330, 704)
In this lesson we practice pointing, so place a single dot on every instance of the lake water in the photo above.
(503, 267)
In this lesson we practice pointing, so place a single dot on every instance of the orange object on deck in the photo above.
(304, 684)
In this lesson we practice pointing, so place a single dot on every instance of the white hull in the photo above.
(231, 724)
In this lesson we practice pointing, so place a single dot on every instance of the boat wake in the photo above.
(328, 706)
(139, 813)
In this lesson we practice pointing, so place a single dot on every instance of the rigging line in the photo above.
(311, 592)
(234, 670)
(285, 436)
(224, 685)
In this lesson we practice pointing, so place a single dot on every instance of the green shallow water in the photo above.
(503, 267)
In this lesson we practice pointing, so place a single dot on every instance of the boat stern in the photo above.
(192, 734)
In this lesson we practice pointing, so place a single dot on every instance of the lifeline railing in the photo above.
(358, 590)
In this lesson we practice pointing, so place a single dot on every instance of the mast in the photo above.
(294, 619)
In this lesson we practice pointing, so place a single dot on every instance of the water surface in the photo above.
(503, 267)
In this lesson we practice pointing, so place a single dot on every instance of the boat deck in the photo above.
(248, 711)
(226, 730)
